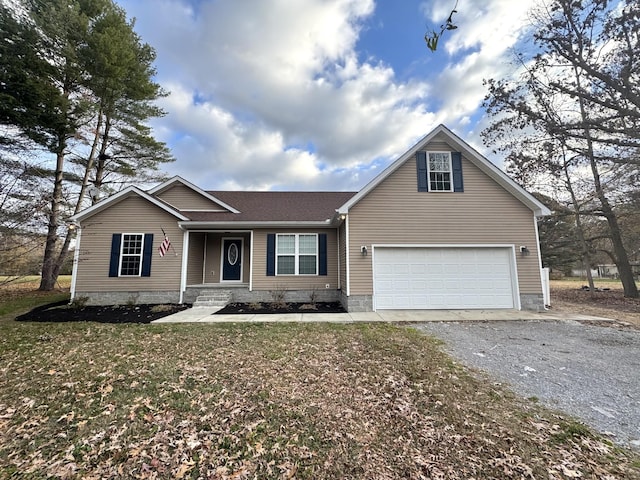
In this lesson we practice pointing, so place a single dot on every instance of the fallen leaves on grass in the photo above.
(612, 299)
(610, 303)
(269, 401)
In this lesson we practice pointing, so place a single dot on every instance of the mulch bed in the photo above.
(267, 308)
(63, 312)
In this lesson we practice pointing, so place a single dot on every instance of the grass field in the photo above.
(21, 295)
(307, 401)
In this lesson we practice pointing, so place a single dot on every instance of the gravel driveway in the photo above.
(590, 372)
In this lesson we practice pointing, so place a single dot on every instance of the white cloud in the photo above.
(271, 94)
(481, 48)
(282, 99)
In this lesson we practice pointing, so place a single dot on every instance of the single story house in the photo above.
(440, 228)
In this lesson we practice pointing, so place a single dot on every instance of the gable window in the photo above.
(440, 171)
(296, 254)
(131, 255)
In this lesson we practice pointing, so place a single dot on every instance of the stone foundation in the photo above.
(241, 294)
(353, 303)
(533, 302)
(290, 296)
(126, 298)
(364, 303)
(357, 303)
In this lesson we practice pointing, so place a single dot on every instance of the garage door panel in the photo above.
(443, 278)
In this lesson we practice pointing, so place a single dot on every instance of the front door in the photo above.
(232, 260)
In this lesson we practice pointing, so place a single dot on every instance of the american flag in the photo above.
(164, 246)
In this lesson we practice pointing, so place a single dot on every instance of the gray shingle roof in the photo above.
(274, 206)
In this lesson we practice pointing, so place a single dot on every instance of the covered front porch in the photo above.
(217, 261)
(239, 265)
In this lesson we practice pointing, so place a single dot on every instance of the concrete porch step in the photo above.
(213, 299)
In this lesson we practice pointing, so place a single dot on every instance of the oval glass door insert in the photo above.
(232, 254)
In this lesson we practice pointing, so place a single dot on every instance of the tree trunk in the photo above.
(102, 156)
(622, 259)
(586, 260)
(89, 167)
(49, 270)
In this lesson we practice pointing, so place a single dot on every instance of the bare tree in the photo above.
(572, 92)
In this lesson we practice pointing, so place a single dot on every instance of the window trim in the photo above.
(451, 181)
(296, 255)
(121, 254)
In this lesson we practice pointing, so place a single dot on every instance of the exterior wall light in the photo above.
(363, 250)
(524, 251)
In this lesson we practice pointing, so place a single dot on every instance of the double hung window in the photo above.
(440, 172)
(297, 254)
(131, 254)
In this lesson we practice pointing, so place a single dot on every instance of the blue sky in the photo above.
(317, 94)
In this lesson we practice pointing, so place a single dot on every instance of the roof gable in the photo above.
(172, 182)
(118, 197)
(469, 153)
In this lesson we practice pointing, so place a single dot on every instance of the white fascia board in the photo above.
(344, 209)
(504, 180)
(113, 199)
(470, 154)
(198, 190)
(191, 225)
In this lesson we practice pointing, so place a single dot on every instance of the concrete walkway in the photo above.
(206, 315)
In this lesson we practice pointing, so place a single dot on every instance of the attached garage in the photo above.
(474, 277)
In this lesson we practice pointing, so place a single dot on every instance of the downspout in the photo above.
(535, 228)
(74, 270)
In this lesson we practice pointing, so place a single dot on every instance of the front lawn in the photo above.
(315, 401)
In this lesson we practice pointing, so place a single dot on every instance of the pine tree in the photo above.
(76, 86)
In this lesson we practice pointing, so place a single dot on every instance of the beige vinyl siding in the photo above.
(293, 282)
(213, 266)
(183, 198)
(131, 215)
(196, 256)
(396, 213)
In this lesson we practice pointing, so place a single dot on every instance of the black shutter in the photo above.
(147, 253)
(115, 254)
(271, 255)
(456, 166)
(322, 251)
(421, 163)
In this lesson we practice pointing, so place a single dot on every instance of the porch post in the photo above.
(185, 260)
(251, 261)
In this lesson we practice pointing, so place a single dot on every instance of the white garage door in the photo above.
(443, 278)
